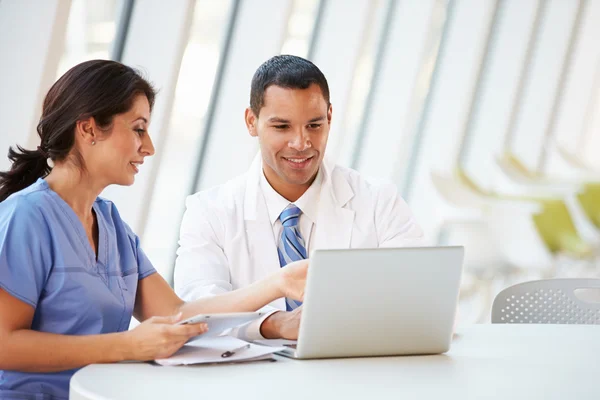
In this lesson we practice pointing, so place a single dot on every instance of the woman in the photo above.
(72, 273)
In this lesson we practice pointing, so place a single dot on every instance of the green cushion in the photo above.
(556, 228)
(590, 202)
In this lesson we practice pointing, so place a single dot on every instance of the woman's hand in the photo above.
(293, 280)
(159, 337)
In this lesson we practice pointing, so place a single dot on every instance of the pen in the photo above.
(229, 353)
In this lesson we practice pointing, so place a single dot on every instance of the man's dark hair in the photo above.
(286, 71)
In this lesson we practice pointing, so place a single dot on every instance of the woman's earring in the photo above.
(93, 142)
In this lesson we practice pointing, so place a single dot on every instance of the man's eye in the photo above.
(281, 127)
(314, 126)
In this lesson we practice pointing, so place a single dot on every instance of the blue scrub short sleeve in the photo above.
(145, 267)
(25, 252)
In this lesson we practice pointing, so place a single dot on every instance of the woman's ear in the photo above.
(85, 130)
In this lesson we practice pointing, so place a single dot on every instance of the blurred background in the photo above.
(485, 113)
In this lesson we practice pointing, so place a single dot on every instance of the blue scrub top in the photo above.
(46, 261)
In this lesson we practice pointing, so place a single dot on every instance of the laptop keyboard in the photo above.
(291, 346)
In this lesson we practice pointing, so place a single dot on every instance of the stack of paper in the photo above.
(206, 350)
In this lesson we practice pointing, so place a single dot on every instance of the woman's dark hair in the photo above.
(100, 89)
(290, 72)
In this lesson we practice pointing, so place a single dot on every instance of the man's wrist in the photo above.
(270, 328)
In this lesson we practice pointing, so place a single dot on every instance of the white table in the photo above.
(485, 362)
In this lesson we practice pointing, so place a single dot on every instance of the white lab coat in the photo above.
(227, 239)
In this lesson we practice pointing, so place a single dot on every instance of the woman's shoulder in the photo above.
(25, 204)
(23, 219)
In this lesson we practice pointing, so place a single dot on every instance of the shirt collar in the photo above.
(308, 202)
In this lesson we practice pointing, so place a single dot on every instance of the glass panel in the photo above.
(362, 80)
(90, 32)
(300, 27)
(391, 113)
(179, 156)
(505, 62)
(582, 78)
(527, 139)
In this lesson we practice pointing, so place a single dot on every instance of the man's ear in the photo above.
(329, 112)
(251, 121)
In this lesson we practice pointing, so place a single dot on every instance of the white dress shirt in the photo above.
(308, 203)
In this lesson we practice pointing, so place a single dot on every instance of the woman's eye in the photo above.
(140, 131)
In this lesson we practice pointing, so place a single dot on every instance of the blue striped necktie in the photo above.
(291, 245)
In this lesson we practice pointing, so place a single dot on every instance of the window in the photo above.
(300, 27)
(179, 156)
(91, 31)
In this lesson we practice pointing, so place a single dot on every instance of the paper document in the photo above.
(208, 350)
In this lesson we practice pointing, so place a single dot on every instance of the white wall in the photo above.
(31, 42)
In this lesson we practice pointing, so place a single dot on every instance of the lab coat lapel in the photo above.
(334, 222)
(259, 231)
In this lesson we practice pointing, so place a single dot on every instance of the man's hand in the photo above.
(282, 325)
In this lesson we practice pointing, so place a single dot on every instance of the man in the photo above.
(290, 202)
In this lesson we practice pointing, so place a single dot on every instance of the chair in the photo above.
(589, 199)
(548, 301)
(579, 197)
(576, 162)
(544, 225)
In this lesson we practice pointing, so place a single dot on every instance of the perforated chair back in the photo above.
(548, 301)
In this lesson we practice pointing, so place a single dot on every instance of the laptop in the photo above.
(378, 302)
